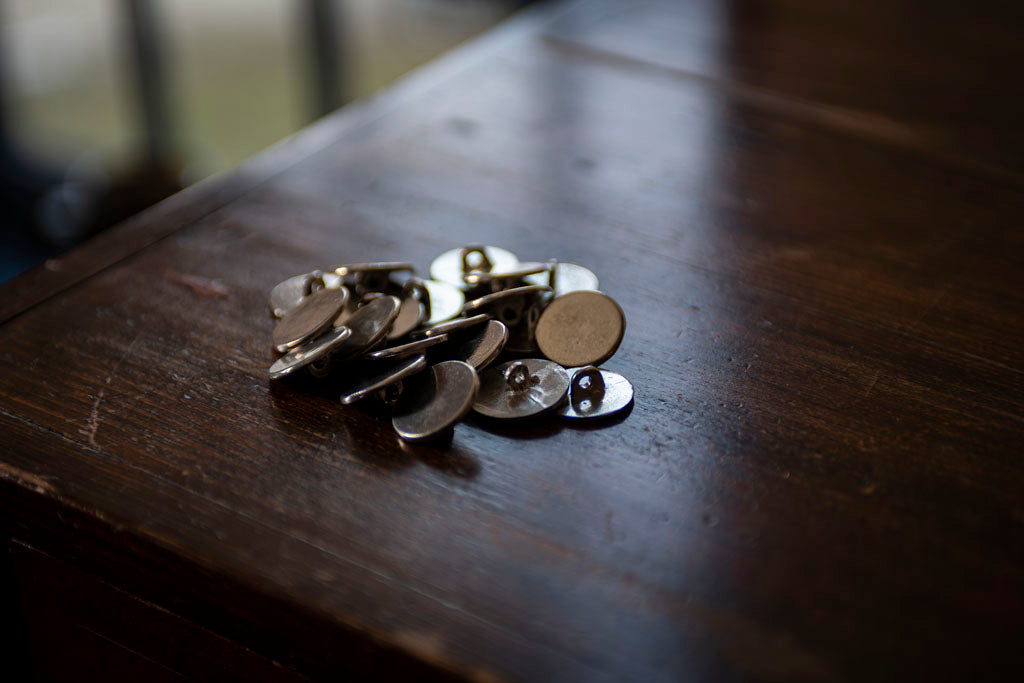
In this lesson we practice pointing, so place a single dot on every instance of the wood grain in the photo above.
(932, 79)
(819, 479)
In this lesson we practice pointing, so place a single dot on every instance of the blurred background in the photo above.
(108, 106)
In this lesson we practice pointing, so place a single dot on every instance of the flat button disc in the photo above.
(480, 346)
(375, 376)
(595, 399)
(369, 324)
(568, 278)
(313, 315)
(446, 301)
(580, 328)
(448, 266)
(288, 294)
(410, 315)
(307, 353)
(372, 277)
(519, 308)
(433, 401)
(520, 389)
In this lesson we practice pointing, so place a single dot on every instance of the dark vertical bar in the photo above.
(322, 22)
(146, 50)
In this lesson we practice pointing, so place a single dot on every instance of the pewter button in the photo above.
(596, 393)
(310, 317)
(435, 400)
(521, 388)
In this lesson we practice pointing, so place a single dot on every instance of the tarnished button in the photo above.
(451, 326)
(595, 393)
(481, 345)
(373, 277)
(565, 278)
(519, 308)
(313, 315)
(434, 400)
(452, 265)
(580, 328)
(370, 324)
(446, 301)
(312, 351)
(521, 388)
(288, 294)
(410, 315)
(374, 376)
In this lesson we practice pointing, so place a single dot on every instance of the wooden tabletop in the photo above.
(811, 215)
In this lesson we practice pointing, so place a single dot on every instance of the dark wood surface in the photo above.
(811, 217)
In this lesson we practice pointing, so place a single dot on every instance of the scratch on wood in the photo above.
(27, 479)
(200, 286)
(93, 424)
(930, 307)
(871, 386)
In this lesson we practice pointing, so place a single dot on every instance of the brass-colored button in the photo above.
(580, 328)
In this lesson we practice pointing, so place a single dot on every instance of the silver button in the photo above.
(446, 301)
(373, 376)
(521, 388)
(369, 324)
(312, 351)
(454, 264)
(310, 317)
(373, 277)
(519, 308)
(288, 294)
(433, 401)
(480, 345)
(410, 315)
(596, 393)
(564, 278)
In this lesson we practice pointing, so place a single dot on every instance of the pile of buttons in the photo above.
(489, 333)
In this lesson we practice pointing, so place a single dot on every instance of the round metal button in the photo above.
(433, 401)
(373, 377)
(453, 264)
(370, 324)
(313, 315)
(481, 345)
(446, 301)
(521, 388)
(288, 294)
(565, 278)
(580, 328)
(519, 308)
(410, 315)
(373, 277)
(595, 393)
(313, 350)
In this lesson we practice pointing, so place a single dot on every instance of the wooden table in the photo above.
(811, 214)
